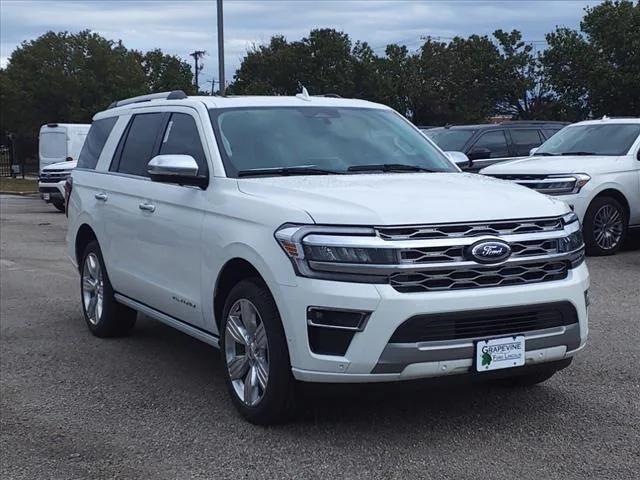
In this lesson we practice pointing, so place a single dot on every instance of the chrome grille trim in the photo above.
(479, 277)
(456, 230)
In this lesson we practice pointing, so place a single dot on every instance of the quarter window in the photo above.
(94, 143)
(525, 140)
(139, 146)
(181, 137)
(495, 142)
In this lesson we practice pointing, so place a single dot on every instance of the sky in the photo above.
(182, 26)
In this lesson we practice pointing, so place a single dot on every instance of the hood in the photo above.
(66, 165)
(553, 165)
(403, 199)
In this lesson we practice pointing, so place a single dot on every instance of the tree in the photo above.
(167, 72)
(65, 77)
(597, 71)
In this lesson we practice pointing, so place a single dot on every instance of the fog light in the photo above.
(336, 318)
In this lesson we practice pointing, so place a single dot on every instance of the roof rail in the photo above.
(174, 95)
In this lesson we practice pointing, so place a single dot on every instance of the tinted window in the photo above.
(548, 132)
(94, 143)
(524, 140)
(181, 137)
(320, 137)
(594, 139)
(139, 145)
(450, 140)
(495, 142)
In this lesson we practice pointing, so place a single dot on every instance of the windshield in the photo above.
(450, 140)
(611, 139)
(299, 140)
(53, 145)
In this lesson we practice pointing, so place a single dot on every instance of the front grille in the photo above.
(529, 248)
(484, 323)
(478, 277)
(470, 229)
(54, 176)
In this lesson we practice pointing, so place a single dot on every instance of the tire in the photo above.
(602, 237)
(59, 206)
(251, 321)
(107, 318)
(526, 380)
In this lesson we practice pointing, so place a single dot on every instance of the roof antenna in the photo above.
(304, 95)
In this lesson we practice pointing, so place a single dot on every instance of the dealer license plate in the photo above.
(498, 353)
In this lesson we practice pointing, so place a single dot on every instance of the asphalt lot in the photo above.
(154, 405)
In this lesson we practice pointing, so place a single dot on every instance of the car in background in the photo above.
(58, 142)
(486, 144)
(594, 166)
(51, 182)
(59, 146)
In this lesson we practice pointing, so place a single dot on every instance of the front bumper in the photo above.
(371, 358)
(52, 192)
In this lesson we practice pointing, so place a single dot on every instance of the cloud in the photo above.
(188, 25)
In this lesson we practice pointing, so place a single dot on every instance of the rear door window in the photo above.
(549, 132)
(181, 137)
(94, 143)
(140, 144)
(495, 142)
(524, 140)
(53, 145)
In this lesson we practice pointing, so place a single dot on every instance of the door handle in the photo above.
(101, 196)
(147, 207)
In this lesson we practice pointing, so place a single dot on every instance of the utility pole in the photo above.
(220, 49)
(197, 55)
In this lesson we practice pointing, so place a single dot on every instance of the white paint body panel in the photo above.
(180, 249)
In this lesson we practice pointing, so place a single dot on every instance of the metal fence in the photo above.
(5, 162)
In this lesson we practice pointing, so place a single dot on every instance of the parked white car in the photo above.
(52, 181)
(594, 166)
(319, 240)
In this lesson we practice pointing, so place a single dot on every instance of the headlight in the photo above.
(571, 242)
(570, 218)
(560, 184)
(324, 252)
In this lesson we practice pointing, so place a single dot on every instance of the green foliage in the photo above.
(64, 77)
(597, 71)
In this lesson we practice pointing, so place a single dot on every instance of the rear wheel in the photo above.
(605, 226)
(59, 206)
(255, 354)
(104, 316)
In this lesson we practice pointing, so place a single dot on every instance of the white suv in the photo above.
(594, 166)
(320, 240)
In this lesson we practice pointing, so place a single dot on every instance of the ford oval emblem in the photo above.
(489, 251)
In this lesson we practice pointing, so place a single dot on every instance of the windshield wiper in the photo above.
(578, 153)
(389, 167)
(302, 170)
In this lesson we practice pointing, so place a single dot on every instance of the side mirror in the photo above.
(459, 159)
(180, 169)
(479, 154)
(533, 151)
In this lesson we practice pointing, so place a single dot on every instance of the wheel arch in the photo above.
(84, 236)
(233, 271)
(617, 195)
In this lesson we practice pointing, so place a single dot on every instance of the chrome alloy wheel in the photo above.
(608, 227)
(92, 288)
(246, 352)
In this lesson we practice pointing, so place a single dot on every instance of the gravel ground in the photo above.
(154, 405)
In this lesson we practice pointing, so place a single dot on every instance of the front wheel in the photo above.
(255, 354)
(605, 226)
